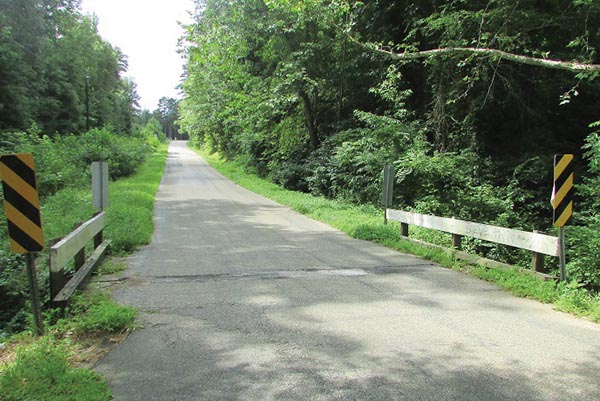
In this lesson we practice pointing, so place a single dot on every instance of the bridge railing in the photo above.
(72, 248)
(539, 244)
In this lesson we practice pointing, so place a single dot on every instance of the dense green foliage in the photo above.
(63, 174)
(53, 62)
(302, 92)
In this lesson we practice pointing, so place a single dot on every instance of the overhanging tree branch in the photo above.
(573, 66)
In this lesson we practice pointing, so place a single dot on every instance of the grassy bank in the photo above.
(131, 205)
(366, 222)
(131, 201)
(53, 367)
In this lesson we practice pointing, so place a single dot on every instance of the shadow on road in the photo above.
(243, 299)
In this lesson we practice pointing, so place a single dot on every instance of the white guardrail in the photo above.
(72, 247)
(539, 244)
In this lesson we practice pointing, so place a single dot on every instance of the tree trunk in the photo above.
(439, 118)
(310, 113)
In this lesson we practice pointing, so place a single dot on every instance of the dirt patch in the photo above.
(7, 355)
(86, 349)
(90, 348)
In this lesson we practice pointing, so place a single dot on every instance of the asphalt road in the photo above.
(244, 299)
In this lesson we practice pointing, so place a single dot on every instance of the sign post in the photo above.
(100, 185)
(22, 207)
(387, 196)
(34, 294)
(562, 202)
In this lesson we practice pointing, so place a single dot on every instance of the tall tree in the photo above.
(278, 81)
(167, 114)
(49, 55)
(22, 36)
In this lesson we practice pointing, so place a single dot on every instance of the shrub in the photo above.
(356, 171)
(65, 160)
(582, 238)
(153, 134)
(13, 292)
(123, 154)
(349, 166)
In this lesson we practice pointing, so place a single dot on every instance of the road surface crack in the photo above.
(285, 274)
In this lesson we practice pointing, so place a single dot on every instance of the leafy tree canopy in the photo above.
(468, 99)
(49, 53)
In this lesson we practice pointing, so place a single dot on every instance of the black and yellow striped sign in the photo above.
(562, 195)
(21, 203)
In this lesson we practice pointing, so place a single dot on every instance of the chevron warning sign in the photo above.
(21, 203)
(562, 194)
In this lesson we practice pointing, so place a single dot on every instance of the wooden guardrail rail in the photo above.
(539, 244)
(72, 247)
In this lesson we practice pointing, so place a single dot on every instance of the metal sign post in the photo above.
(22, 207)
(387, 196)
(34, 294)
(561, 254)
(562, 202)
(100, 185)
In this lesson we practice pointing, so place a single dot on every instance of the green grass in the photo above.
(366, 222)
(110, 266)
(41, 369)
(95, 313)
(131, 202)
